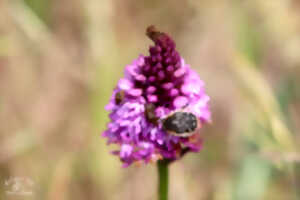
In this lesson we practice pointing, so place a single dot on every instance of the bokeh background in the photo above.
(60, 60)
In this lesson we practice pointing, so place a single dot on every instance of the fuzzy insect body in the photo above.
(180, 123)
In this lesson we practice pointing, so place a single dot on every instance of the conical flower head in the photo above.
(158, 108)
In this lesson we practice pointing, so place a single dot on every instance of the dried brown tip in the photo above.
(153, 33)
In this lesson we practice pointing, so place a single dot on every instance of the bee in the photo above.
(150, 113)
(181, 123)
(119, 97)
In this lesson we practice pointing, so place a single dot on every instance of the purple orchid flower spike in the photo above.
(158, 107)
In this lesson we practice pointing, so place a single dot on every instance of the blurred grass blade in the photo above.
(258, 92)
(253, 178)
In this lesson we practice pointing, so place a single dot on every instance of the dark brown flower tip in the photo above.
(153, 33)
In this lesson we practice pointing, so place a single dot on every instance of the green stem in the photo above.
(163, 173)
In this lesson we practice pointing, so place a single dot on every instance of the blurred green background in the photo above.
(60, 60)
